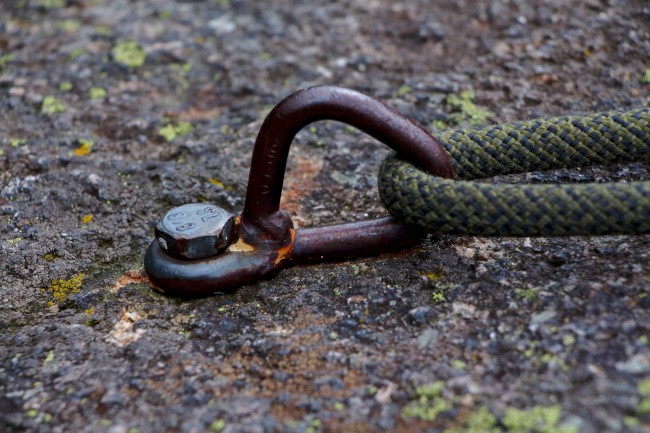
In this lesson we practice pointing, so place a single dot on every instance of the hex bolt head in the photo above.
(195, 231)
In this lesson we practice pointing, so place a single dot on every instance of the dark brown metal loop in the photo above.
(300, 109)
(262, 240)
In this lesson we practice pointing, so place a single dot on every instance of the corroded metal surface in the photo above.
(262, 240)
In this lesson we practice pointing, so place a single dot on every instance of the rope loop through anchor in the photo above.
(468, 207)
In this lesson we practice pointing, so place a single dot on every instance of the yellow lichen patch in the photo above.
(87, 218)
(90, 311)
(61, 289)
(432, 276)
(216, 182)
(85, 148)
(50, 257)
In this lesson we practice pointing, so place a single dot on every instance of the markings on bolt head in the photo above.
(194, 219)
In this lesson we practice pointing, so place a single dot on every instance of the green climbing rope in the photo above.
(476, 208)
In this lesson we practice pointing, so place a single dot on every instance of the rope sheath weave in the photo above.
(473, 208)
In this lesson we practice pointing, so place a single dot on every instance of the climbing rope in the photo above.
(476, 208)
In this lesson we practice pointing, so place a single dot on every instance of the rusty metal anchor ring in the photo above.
(201, 249)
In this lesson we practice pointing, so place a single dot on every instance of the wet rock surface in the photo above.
(115, 111)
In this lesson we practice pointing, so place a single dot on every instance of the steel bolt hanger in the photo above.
(201, 249)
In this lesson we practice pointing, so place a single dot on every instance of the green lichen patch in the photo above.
(404, 90)
(528, 295)
(51, 105)
(314, 426)
(631, 422)
(60, 290)
(439, 290)
(51, 256)
(458, 364)
(76, 53)
(643, 408)
(463, 111)
(70, 26)
(478, 421)
(568, 340)
(17, 142)
(170, 131)
(66, 86)
(5, 59)
(429, 403)
(645, 79)
(643, 388)
(103, 30)
(129, 54)
(166, 14)
(97, 93)
(438, 296)
(217, 426)
(537, 419)
(180, 73)
(51, 4)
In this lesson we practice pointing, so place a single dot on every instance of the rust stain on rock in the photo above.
(129, 277)
(298, 184)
